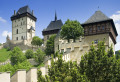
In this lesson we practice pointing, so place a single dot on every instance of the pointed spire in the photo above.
(55, 16)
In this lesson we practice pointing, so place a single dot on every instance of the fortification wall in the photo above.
(4, 76)
(20, 76)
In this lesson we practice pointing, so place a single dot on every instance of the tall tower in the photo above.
(23, 25)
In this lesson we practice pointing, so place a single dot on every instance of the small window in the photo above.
(21, 23)
(98, 28)
(90, 29)
(16, 38)
(21, 37)
(62, 50)
(17, 31)
(95, 41)
(103, 27)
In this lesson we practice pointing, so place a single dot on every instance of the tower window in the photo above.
(90, 29)
(98, 28)
(103, 27)
(17, 31)
(16, 38)
(21, 37)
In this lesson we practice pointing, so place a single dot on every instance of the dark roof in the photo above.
(54, 25)
(24, 10)
(97, 17)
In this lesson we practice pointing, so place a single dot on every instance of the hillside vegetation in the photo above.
(4, 54)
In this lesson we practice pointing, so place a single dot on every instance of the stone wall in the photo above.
(32, 75)
(20, 76)
(5, 77)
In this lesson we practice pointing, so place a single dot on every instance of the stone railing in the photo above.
(4, 76)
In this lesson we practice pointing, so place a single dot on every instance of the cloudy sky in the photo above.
(44, 10)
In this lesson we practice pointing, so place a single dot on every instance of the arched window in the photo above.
(17, 31)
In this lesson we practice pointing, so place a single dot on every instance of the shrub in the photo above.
(39, 56)
(17, 56)
(29, 54)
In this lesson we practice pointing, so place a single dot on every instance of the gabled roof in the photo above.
(24, 10)
(98, 16)
(54, 25)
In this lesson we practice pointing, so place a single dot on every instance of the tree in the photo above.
(39, 56)
(0, 44)
(17, 56)
(50, 45)
(36, 41)
(29, 54)
(71, 30)
(99, 65)
(61, 71)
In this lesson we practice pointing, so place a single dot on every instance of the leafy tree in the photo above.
(29, 54)
(36, 41)
(13, 68)
(17, 56)
(39, 56)
(99, 65)
(117, 54)
(50, 45)
(71, 30)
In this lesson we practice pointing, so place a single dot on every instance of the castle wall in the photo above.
(46, 37)
(82, 46)
(19, 76)
(5, 77)
(31, 75)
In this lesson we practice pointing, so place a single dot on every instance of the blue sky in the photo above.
(44, 10)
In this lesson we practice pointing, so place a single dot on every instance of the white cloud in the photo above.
(117, 46)
(2, 20)
(118, 27)
(5, 33)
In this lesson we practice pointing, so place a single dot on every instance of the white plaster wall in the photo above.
(5, 77)
(43, 70)
(22, 29)
(31, 75)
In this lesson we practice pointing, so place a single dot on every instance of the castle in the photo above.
(97, 28)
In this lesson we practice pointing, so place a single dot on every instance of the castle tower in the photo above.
(23, 25)
(99, 27)
(53, 28)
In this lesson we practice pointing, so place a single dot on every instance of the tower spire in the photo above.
(55, 16)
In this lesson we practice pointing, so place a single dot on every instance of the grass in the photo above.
(4, 55)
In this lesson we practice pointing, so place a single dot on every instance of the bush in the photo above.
(17, 56)
(39, 56)
(29, 54)
(8, 67)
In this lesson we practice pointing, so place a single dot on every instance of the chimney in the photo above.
(32, 12)
(14, 12)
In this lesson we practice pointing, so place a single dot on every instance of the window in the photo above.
(98, 28)
(17, 31)
(62, 50)
(103, 27)
(90, 29)
(47, 37)
(95, 41)
(21, 37)
(16, 38)
(21, 23)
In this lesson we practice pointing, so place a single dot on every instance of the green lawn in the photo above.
(4, 55)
